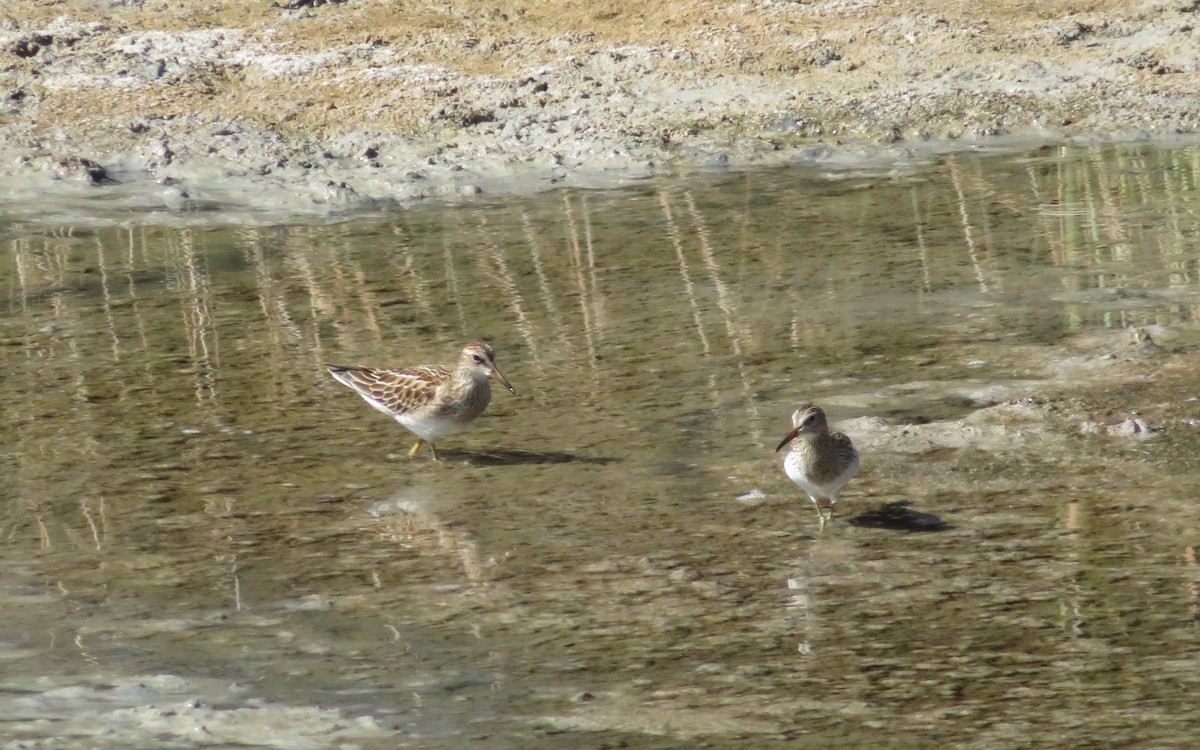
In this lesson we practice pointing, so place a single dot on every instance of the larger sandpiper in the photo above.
(431, 401)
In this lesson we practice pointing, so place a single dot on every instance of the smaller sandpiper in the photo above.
(820, 462)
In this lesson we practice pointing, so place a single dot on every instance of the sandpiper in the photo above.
(820, 462)
(431, 401)
(1142, 345)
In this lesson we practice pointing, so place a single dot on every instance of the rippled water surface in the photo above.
(209, 542)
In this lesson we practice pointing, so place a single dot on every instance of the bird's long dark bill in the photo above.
(504, 380)
(790, 437)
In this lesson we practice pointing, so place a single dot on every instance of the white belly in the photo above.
(793, 466)
(429, 427)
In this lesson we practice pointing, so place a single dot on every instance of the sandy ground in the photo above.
(339, 105)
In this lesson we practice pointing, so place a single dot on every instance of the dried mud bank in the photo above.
(342, 106)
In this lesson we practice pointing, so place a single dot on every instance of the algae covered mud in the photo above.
(210, 542)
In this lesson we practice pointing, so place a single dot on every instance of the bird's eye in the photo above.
(477, 358)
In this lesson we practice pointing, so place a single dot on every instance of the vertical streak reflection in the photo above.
(688, 287)
(580, 282)
(968, 236)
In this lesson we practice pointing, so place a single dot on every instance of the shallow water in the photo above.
(209, 542)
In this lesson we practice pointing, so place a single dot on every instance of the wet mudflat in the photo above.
(208, 541)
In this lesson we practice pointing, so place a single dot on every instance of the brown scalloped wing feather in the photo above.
(401, 391)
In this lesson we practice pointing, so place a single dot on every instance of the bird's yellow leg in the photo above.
(434, 452)
(416, 447)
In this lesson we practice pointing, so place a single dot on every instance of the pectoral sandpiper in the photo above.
(431, 401)
(820, 462)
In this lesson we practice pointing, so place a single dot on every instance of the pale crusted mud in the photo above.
(342, 105)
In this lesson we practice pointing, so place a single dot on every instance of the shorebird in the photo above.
(820, 462)
(1141, 345)
(431, 401)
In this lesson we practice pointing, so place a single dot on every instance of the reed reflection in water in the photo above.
(174, 449)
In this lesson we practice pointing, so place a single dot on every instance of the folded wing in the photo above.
(393, 392)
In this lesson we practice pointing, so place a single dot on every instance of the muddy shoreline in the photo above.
(343, 106)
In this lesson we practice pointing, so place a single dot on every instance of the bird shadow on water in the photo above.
(898, 516)
(519, 457)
